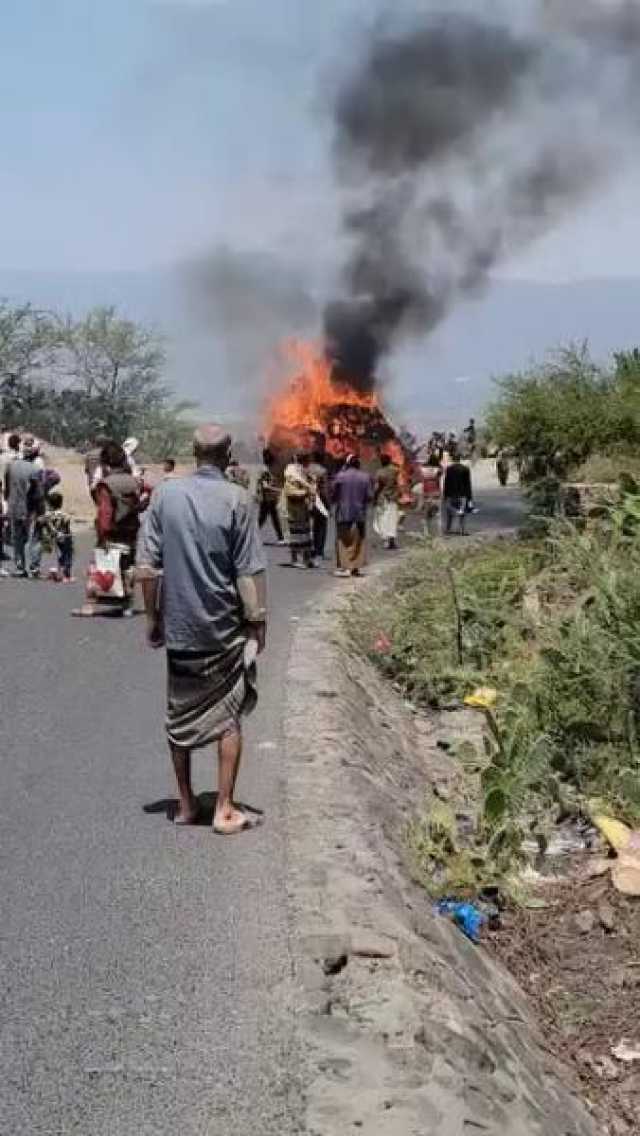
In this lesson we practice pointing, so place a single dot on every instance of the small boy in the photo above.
(59, 525)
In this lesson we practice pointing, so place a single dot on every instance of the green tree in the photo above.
(29, 344)
(166, 432)
(557, 415)
(118, 365)
(70, 380)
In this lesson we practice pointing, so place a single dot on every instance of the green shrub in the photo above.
(554, 627)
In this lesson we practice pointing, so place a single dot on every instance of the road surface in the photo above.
(145, 969)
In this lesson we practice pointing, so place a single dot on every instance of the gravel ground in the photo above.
(577, 959)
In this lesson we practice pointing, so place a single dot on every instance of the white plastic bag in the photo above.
(107, 574)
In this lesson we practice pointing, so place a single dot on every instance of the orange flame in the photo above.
(309, 391)
(310, 402)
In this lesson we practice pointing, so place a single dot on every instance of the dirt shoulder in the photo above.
(408, 1028)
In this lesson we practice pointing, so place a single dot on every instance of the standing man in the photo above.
(351, 496)
(320, 510)
(502, 466)
(201, 534)
(299, 495)
(457, 493)
(471, 436)
(431, 492)
(8, 455)
(92, 467)
(386, 498)
(25, 504)
(268, 495)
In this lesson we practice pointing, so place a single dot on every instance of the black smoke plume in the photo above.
(459, 141)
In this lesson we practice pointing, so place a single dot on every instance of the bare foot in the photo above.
(187, 815)
(229, 821)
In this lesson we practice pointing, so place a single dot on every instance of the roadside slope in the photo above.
(410, 1029)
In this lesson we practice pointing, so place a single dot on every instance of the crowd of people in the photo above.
(32, 515)
(311, 486)
(298, 498)
(33, 520)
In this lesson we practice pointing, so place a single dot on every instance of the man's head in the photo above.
(212, 445)
(13, 442)
(168, 465)
(30, 448)
(304, 460)
(353, 462)
(112, 456)
(55, 499)
(385, 459)
(267, 458)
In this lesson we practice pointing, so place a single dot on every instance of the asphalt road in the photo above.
(145, 969)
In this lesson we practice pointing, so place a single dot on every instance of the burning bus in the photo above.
(314, 410)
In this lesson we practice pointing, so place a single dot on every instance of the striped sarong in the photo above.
(207, 694)
(299, 519)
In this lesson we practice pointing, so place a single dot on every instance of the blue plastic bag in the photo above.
(466, 916)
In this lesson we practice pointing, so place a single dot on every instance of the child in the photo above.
(59, 526)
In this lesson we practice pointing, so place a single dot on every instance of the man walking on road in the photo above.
(268, 496)
(209, 611)
(351, 496)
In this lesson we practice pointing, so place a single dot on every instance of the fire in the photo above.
(313, 411)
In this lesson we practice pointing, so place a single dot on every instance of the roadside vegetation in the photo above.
(71, 380)
(562, 416)
(540, 635)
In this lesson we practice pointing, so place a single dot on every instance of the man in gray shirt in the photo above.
(200, 536)
(24, 492)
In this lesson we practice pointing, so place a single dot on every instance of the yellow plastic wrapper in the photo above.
(614, 831)
(482, 699)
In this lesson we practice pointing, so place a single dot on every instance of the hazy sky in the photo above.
(135, 132)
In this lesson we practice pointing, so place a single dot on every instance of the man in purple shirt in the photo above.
(351, 495)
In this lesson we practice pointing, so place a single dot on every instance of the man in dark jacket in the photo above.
(457, 493)
(352, 491)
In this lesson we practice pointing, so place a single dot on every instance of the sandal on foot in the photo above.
(247, 823)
